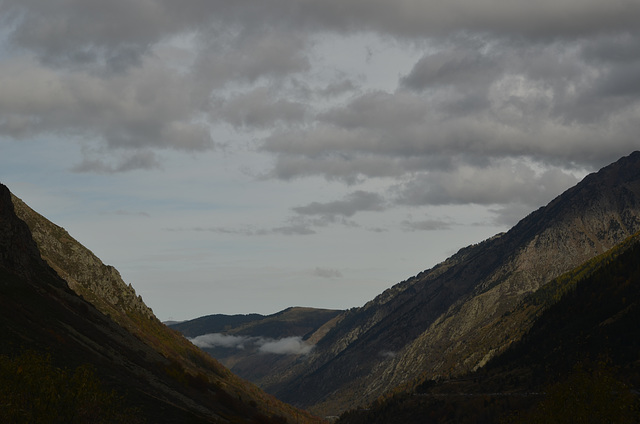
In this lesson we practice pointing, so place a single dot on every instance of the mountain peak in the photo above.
(18, 252)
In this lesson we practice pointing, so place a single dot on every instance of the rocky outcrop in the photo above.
(85, 273)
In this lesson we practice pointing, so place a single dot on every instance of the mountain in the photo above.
(60, 301)
(578, 362)
(291, 322)
(251, 346)
(435, 324)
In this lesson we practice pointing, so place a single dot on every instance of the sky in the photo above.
(246, 156)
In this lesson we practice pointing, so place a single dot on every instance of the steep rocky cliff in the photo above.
(432, 324)
(85, 273)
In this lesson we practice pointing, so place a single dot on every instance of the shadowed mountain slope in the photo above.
(102, 323)
(578, 362)
(433, 323)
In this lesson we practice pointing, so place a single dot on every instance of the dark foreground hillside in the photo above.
(106, 340)
(580, 361)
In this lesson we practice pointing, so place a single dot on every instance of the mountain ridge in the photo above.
(110, 328)
(419, 325)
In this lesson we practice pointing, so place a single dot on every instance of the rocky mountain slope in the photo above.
(80, 312)
(578, 362)
(434, 324)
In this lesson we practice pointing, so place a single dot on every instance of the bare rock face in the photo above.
(434, 324)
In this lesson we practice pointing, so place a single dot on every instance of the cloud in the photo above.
(220, 340)
(327, 273)
(425, 225)
(259, 108)
(548, 82)
(129, 213)
(357, 201)
(498, 183)
(301, 229)
(127, 161)
(463, 67)
(338, 88)
(74, 29)
(551, 102)
(146, 108)
(286, 346)
(283, 346)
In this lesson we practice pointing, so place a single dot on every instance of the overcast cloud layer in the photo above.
(398, 105)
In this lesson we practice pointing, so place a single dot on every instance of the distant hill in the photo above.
(241, 342)
(294, 321)
(216, 323)
(57, 299)
(448, 320)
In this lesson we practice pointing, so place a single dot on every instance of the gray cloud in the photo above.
(79, 31)
(458, 67)
(552, 103)
(298, 228)
(500, 183)
(235, 57)
(129, 213)
(286, 346)
(259, 108)
(327, 273)
(355, 202)
(283, 346)
(425, 225)
(549, 81)
(145, 108)
(220, 340)
(128, 161)
(338, 88)
(293, 226)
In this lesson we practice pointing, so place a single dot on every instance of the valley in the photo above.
(495, 333)
(461, 314)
